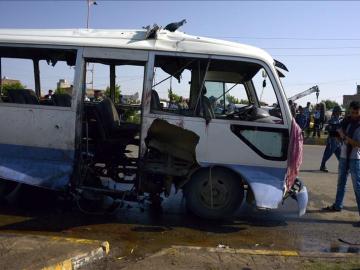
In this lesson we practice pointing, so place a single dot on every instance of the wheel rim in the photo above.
(214, 193)
(9, 190)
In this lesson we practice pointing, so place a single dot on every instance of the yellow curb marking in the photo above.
(64, 265)
(288, 253)
(106, 246)
(75, 240)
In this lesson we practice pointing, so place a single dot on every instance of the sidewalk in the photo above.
(180, 257)
(41, 252)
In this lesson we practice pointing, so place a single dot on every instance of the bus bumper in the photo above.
(302, 200)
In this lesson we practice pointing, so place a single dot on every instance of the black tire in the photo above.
(227, 193)
(9, 190)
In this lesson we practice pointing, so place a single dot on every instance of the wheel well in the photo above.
(201, 169)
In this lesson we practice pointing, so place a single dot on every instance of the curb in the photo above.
(264, 252)
(83, 259)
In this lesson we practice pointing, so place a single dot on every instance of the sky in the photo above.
(319, 42)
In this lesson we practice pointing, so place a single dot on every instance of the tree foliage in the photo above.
(11, 86)
(60, 91)
(235, 100)
(330, 104)
(173, 97)
(117, 92)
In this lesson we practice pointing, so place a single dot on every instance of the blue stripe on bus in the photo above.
(267, 183)
(38, 166)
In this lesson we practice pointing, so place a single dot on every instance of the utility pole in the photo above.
(92, 77)
(0, 78)
(89, 4)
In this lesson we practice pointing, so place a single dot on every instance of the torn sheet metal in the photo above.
(43, 167)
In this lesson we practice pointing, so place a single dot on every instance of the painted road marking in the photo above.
(288, 253)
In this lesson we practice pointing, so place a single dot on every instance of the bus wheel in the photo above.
(214, 193)
(9, 190)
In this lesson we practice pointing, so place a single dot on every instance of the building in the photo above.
(130, 99)
(348, 98)
(62, 84)
(90, 92)
(7, 81)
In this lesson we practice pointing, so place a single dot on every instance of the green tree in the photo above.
(60, 91)
(11, 86)
(173, 97)
(117, 92)
(330, 104)
(132, 115)
(235, 100)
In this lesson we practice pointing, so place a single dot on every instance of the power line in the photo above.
(282, 38)
(322, 83)
(315, 55)
(311, 48)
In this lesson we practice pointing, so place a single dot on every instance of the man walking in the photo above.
(301, 119)
(307, 113)
(349, 158)
(333, 144)
(316, 130)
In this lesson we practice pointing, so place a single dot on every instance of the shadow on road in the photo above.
(317, 171)
(56, 219)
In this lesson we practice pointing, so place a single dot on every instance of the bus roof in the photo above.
(133, 39)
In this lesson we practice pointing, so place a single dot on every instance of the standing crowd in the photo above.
(343, 140)
(309, 120)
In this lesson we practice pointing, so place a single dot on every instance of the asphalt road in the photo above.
(134, 234)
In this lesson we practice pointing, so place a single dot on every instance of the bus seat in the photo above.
(63, 100)
(208, 111)
(155, 101)
(22, 96)
(110, 123)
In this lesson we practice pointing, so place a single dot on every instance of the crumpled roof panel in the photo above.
(133, 39)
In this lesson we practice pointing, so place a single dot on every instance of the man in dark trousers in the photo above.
(349, 158)
(333, 143)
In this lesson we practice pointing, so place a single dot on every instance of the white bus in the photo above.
(182, 133)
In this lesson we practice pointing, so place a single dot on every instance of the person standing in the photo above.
(97, 96)
(307, 113)
(292, 108)
(301, 118)
(333, 144)
(349, 158)
(322, 114)
(317, 120)
(49, 95)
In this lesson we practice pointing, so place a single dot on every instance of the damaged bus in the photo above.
(178, 112)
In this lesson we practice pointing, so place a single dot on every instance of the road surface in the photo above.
(134, 234)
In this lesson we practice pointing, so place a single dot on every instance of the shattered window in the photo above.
(225, 97)
(264, 89)
(37, 76)
(129, 81)
(176, 85)
(239, 90)
(120, 81)
(212, 88)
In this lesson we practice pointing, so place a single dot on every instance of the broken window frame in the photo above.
(120, 54)
(36, 73)
(193, 57)
(275, 81)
